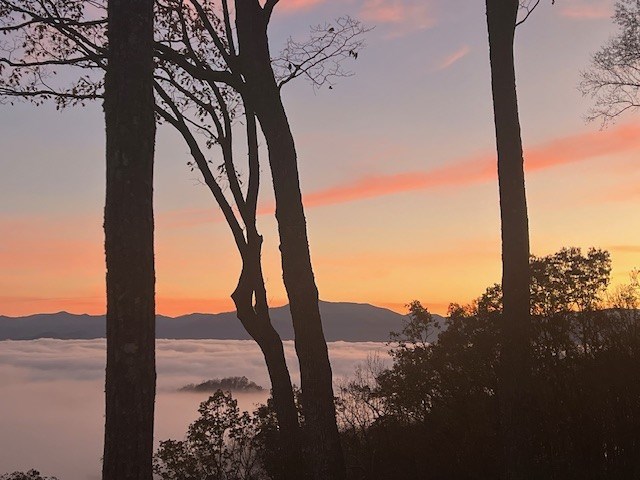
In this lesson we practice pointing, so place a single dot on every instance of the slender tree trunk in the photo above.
(514, 374)
(323, 441)
(255, 319)
(257, 322)
(128, 225)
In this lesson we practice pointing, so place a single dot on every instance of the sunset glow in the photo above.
(397, 166)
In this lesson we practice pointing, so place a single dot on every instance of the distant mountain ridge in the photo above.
(351, 322)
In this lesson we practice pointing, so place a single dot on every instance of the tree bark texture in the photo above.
(257, 322)
(514, 372)
(322, 439)
(128, 225)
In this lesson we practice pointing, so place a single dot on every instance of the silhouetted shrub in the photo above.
(220, 444)
(30, 475)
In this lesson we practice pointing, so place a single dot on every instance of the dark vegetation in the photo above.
(30, 475)
(434, 413)
(227, 384)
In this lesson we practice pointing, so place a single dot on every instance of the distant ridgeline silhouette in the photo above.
(227, 384)
(351, 322)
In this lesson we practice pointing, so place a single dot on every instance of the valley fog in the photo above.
(52, 402)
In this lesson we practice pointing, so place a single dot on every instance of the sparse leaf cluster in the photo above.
(321, 57)
(41, 40)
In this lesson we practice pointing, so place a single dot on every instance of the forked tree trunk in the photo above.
(128, 226)
(514, 372)
(254, 318)
(257, 322)
(322, 438)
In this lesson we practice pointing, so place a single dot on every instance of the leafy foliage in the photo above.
(434, 412)
(220, 444)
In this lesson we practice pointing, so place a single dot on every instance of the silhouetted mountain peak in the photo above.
(348, 321)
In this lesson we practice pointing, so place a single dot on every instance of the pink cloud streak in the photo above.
(586, 10)
(571, 149)
(294, 5)
(474, 170)
(405, 15)
(454, 57)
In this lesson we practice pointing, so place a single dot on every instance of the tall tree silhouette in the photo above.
(207, 55)
(514, 376)
(249, 70)
(128, 226)
(175, 105)
(263, 92)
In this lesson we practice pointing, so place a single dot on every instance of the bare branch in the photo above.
(528, 8)
(228, 28)
(613, 81)
(321, 57)
(178, 121)
(200, 72)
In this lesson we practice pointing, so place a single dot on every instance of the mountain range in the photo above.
(352, 322)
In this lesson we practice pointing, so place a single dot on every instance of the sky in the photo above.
(397, 167)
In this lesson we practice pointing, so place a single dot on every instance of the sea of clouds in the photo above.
(52, 394)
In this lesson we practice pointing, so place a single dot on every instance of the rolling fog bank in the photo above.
(52, 402)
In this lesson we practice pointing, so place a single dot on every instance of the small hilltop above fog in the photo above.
(227, 384)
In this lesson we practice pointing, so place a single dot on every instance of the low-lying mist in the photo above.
(52, 401)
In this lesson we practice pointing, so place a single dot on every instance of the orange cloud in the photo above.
(583, 146)
(182, 218)
(621, 193)
(294, 5)
(462, 173)
(16, 306)
(63, 246)
(452, 58)
(586, 10)
(474, 170)
(574, 148)
(625, 248)
(405, 15)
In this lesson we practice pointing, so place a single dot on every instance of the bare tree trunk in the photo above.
(257, 322)
(323, 441)
(128, 225)
(514, 374)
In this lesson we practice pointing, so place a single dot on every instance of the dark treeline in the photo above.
(434, 412)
